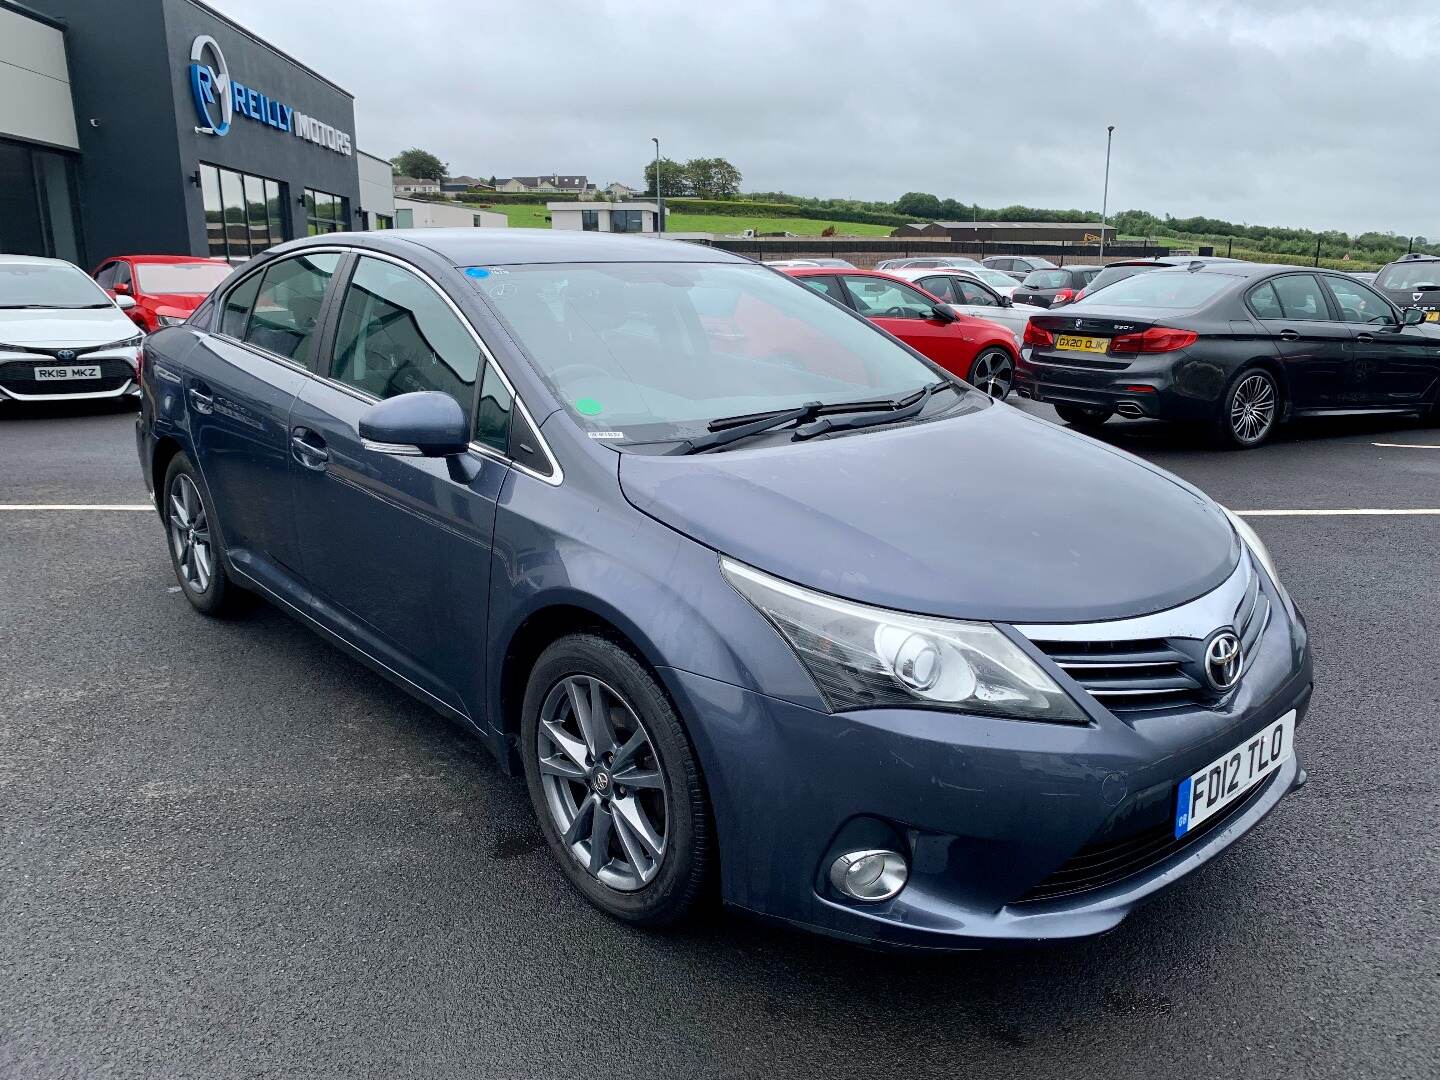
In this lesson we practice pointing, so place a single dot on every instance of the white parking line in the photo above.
(1339, 513)
(76, 506)
(1408, 445)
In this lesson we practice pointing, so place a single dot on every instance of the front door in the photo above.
(397, 547)
(1315, 348)
(1395, 365)
(240, 382)
(909, 315)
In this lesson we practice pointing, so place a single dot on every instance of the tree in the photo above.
(420, 164)
(918, 204)
(712, 178)
(673, 181)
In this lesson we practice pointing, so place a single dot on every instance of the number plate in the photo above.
(59, 374)
(1227, 778)
(1074, 343)
(1432, 316)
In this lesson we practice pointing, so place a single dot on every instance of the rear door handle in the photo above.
(1365, 337)
(1290, 335)
(306, 451)
(203, 403)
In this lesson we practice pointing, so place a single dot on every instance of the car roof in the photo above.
(1417, 256)
(498, 247)
(35, 260)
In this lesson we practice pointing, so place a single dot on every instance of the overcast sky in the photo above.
(1272, 112)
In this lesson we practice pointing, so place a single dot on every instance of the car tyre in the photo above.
(994, 372)
(197, 553)
(1249, 411)
(1083, 418)
(615, 782)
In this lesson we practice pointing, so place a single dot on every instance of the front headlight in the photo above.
(128, 343)
(1259, 551)
(866, 657)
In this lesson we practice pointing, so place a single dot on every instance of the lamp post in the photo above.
(1104, 198)
(659, 199)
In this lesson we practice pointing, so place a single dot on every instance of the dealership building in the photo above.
(161, 126)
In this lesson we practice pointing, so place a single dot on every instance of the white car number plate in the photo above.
(1228, 777)
(58, 374)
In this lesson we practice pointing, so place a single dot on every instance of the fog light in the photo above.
(869, 875)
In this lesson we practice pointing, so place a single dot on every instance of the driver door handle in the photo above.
(1364, 337)
(1290, 335)
(308, 448)
(202, 403)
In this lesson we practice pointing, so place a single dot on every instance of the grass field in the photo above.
(532, 216)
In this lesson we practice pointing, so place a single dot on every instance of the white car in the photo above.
(963, 291)
(62, 338)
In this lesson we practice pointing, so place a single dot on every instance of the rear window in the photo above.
(1408, 275)
(1047, 279)
(1179, 289)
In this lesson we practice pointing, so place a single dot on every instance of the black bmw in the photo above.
(1236, 346)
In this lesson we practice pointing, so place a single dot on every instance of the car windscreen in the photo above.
(998, 278)
(1409, 274)
(1178, 289)
(1047, 279)
(646, 352)
(1111, 274)
(48, 285)
(195, 279)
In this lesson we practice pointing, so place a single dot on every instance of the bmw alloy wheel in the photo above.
(190, 535)
(603, 783)
(1252, 408)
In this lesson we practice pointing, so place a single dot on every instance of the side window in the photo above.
(237, 307)
(941, 286)
(397, 335)
(287, 308)
(1301, 298)
(122, 273)
(972, 292)
(826, 286)
(106, 277)
(492, 418)
(877, 298)
(1360, 303)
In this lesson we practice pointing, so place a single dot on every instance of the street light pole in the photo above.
(659, 198)
(1104, 199)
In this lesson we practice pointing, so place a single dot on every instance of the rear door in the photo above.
(239, 383)
(396, 547)
(1394, 365)
(1314, 346)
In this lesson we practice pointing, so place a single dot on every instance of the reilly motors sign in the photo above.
(219, 97)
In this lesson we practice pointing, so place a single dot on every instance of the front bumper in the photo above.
(117, 378)
(984, 810)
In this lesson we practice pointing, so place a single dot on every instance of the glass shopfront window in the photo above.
(243, 213)
(325, 213)
(39, 212)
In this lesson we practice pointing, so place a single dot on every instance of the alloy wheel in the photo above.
(1252, 408)
(993, 372)
(603, 783)
(190, 535)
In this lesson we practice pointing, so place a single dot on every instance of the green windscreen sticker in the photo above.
(589, 406)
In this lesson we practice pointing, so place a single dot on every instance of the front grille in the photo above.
(1153, 674)
(1112, 860)
(18, 376)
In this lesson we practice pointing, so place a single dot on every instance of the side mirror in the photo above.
(1412, 316)
(124, 303)
(121, 287)
(1005, 301)
(428, 420)
(943, 313)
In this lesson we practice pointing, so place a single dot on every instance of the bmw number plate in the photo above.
(1227, 778)
(57, 374)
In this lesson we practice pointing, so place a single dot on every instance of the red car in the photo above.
(979, 351)
(166, 288)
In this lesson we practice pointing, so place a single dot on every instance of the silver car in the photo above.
(965, 293)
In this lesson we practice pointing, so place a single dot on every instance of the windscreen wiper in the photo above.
(903, 410)
(729, 429)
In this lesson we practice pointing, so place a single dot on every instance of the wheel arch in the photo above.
(166, 447)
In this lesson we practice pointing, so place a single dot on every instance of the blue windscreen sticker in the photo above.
(478, 271)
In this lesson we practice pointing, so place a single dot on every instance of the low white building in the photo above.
(377, 195)
(423, 214)
(632, 217)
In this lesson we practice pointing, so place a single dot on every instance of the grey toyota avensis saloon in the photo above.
(706, 556)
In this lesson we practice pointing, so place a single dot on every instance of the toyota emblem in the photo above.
(1224, 659)
(65, 354)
